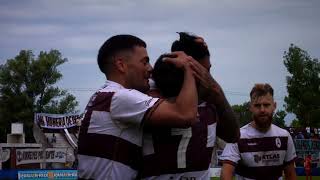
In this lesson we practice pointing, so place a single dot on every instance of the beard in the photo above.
(263, 121)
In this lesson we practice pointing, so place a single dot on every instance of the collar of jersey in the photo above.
(112, 83)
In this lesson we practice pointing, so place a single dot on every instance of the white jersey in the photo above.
(181, 153)
(110, 140)
(260, 155)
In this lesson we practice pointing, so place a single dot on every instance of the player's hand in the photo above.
(179, 59)
(208, 84)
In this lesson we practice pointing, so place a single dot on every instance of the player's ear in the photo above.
(120, 64)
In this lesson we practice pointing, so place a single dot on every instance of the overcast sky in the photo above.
(246, 38)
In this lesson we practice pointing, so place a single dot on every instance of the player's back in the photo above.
(175, 153)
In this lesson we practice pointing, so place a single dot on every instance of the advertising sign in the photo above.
(27, 156)
(57, 121)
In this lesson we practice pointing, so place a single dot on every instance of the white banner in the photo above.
(58, 121)
(27, 156)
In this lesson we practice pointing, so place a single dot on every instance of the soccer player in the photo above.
(264, 150)
(185, 153)
(307, 166)
(110, 137)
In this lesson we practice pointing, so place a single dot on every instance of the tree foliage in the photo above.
(303, 86)
(243, 113)
(278, 118)
(295, 124)
(27, 86)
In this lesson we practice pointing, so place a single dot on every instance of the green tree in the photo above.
(303, 86)
(27, 86)
(295, 123)
(278, 118)
(243, 113)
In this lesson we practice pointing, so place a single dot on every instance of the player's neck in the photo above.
(260, 129)
(117, 79)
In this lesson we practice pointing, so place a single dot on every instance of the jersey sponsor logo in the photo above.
(147, 103)
(278, 142)
(257, 158)
(252, 144)
(266, 158)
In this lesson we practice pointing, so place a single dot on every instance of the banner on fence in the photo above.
(27, 156)
(58, 121)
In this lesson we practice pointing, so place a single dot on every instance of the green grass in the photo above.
(299, 178)
(313, 178)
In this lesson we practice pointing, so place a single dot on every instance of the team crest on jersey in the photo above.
(278, 142)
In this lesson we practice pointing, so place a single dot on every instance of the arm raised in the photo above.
(182, 111)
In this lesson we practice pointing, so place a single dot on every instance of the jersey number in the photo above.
(182, 149)
(186, 135)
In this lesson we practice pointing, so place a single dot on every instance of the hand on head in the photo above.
(178, 58)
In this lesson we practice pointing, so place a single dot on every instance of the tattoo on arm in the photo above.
(228, 123)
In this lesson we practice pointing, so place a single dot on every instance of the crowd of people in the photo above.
(163, 122)
(304, 133)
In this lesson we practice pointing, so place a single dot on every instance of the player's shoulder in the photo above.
(122, 94)
(245, 128)
(130, 92)
(279, 131)
(129, 95)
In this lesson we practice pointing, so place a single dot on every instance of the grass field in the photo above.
(313, 177)
(299, 178)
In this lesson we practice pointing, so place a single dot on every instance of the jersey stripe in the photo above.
(265, 144)
(110, 147)
(265, 172)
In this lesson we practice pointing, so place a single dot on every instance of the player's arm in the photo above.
(227, 171)
(228, 124)
(229, 157)
(290, 172)
(289, 169)
(182, 111)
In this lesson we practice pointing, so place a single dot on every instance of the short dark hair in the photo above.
(114, 45)
(167, 77)
(188, 45)
(261, 90)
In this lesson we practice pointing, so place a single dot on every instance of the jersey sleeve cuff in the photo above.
(229, 162)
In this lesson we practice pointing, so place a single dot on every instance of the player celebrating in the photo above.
(185, 153)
